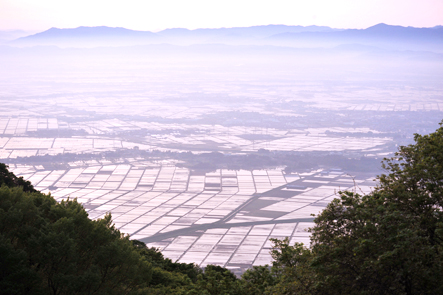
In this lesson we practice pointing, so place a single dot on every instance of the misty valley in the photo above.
(206, 144)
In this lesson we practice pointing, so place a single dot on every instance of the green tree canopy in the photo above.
(8, 179)
(61, 251)
(386, 242)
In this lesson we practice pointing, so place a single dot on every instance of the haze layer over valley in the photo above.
(206, 143)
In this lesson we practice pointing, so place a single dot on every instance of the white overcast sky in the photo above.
(39, 15)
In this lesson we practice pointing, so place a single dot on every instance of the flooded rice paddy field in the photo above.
(60, 123)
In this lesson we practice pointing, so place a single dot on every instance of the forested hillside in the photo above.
(386, 242)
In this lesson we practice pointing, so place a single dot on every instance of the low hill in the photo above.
(88, 37)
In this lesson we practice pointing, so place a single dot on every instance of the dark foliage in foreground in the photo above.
(387, 242)
(10, 180)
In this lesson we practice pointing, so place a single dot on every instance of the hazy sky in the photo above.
(38, 15)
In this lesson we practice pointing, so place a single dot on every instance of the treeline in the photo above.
(387, 242)
(263, 159)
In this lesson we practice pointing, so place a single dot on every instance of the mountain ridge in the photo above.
(383, 35)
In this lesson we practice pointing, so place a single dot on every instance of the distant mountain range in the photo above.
(247, 32)
(9, 35)
(107, 35)
(381, 35)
